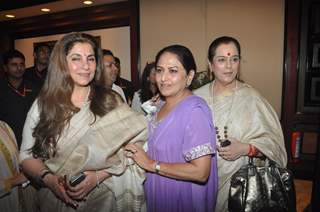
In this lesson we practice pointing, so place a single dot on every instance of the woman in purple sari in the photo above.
(180, 161)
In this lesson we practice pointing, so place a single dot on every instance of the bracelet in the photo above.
(250, 153)
(98, 182)
(157, 167)
(253, 151)
(44, 174)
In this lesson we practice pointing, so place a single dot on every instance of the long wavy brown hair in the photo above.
(54, 100)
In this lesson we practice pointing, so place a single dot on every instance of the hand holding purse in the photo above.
(262, 188)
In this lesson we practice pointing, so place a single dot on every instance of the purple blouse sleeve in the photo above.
(199, 139)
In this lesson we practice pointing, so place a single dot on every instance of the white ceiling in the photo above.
(57, 6)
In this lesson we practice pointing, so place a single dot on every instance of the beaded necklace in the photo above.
(222, 138)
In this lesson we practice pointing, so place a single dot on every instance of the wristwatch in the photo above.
(157, 167)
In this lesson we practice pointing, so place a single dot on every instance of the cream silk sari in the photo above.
(12, 199)
(9, 165)
(250, 119)
(99, 146)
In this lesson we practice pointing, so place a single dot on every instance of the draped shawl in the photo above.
(250, 119)
(88, 145)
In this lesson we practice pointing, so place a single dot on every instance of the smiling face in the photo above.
(225, 64)
(171, 76)
(81, 64)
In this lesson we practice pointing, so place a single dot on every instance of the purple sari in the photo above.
(185, 134)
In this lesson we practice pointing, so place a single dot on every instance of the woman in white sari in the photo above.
(241, 115)
(10, 177)
(79, 125)
(15, 196)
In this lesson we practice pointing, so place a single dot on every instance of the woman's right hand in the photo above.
(35, 167)
(140, 157)
(235, 150)
(56, 184)
(17, 179)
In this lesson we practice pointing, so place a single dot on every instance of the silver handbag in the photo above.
(262, 188)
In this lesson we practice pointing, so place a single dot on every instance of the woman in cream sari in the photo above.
(241, 115)
(78, 125)
(13, 196)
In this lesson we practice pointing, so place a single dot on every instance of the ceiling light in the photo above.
(10, 16)
(45, 10)
(87, 2)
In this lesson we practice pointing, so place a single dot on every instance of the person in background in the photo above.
(126, 85)
(78, 127)
(148, 87)
(111, 71)
(180, 160)
(241, 115)
(38, 72)
(16, 93)
(12, 196)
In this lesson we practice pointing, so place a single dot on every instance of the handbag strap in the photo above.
(251, 161)
(268, 162)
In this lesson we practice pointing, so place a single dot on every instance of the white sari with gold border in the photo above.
(9, 166)
(250, 119)
(99, 146)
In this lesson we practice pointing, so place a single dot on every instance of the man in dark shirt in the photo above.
(126, 85)
(16, 93)
(38, 72)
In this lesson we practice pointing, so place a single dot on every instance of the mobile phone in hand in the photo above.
(225, 143)
(76, 179)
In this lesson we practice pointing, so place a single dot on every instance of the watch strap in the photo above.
(157, 167)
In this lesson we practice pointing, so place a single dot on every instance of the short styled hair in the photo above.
(107, 52)
(10, 54)
(40, 46)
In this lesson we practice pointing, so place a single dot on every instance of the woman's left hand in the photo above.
(140, 157)
(80, 191)
(233, 151)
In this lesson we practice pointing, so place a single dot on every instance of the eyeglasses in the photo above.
(222, 60)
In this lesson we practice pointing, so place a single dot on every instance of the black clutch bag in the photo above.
(262, 188)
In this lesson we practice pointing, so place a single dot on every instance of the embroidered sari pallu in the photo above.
(100, 147)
